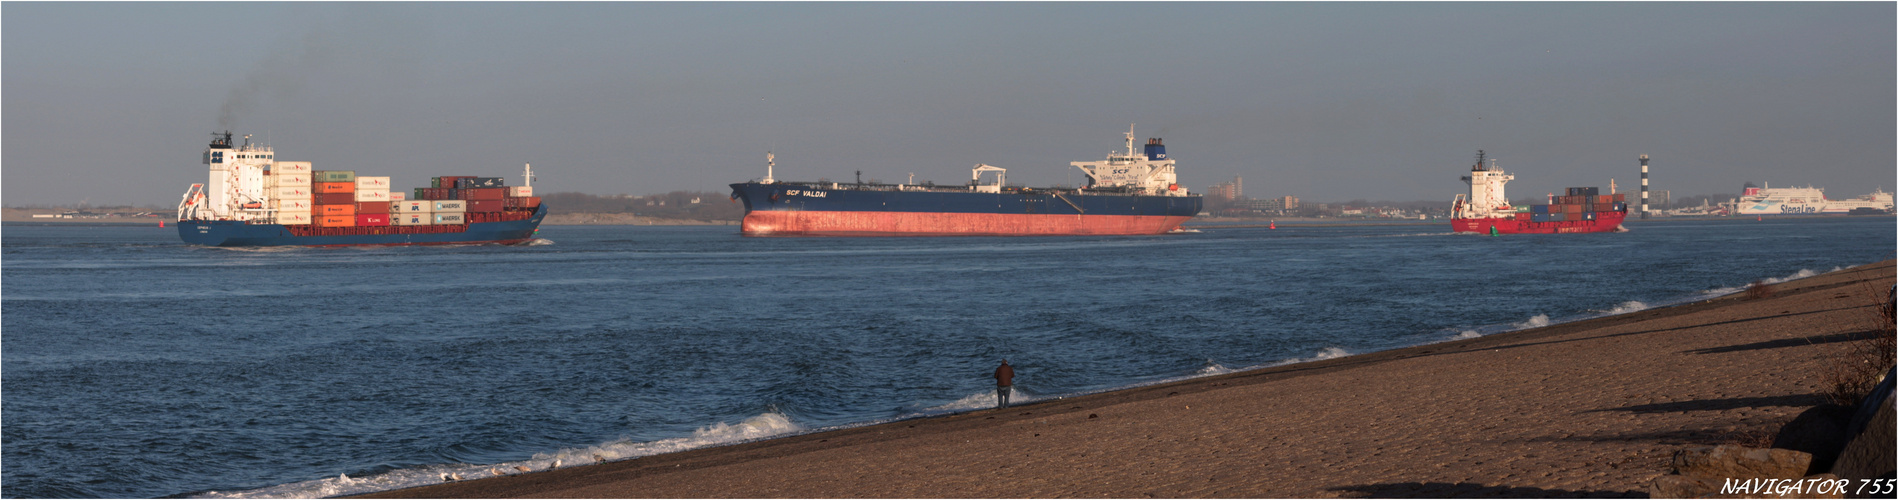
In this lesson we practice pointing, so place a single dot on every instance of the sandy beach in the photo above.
(1591, 408)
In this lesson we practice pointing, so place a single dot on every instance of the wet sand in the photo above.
(1591, 408)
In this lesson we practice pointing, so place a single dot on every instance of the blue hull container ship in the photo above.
(253, 200)
(1130, 193)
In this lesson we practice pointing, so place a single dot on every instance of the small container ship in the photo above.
(253, 200)
(1487, 208)
(1129, 193)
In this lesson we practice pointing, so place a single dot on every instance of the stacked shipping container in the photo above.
(340, 198)
(464, 199)
(289, 187)
(1578, 204)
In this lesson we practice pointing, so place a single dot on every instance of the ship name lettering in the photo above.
(813, 194)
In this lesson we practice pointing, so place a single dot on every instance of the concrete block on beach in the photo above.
(1742, 462)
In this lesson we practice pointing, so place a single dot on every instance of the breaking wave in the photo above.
(763, 426)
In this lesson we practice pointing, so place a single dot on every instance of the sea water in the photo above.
(137, 366)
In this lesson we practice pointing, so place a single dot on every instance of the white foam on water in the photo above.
(1321, 355)
(763, 426)
(1628, 307)
(1537, 321)
(536, 242)
(1725, 291)
(1213, 369)
(1466, 334)
(982, 401)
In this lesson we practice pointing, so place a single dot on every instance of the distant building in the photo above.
(1228, 190)
(1288, 202)
(1658, 199)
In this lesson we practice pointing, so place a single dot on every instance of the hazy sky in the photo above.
(114, 102)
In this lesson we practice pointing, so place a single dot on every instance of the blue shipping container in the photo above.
(1539, 209)
(1539, 217)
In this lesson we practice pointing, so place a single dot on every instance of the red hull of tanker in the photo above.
(813, 223)
(1604, 222)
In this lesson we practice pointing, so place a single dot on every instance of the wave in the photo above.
(1537, 321)
(763, 426)
(537, 242)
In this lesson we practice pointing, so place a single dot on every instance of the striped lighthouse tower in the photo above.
(1644, 187)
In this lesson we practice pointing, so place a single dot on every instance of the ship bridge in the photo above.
(1150, 172)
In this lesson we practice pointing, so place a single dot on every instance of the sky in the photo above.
(110, 103)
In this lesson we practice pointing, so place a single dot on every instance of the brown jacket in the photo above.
(1004, 375)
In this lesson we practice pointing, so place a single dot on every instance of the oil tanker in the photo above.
(251, 199)
(1130, 193)
(1487, 208)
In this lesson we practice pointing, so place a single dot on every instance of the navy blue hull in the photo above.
(242, 234)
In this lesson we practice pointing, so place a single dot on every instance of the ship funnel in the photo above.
(1156, 150)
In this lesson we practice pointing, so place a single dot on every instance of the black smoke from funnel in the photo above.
(280, 75)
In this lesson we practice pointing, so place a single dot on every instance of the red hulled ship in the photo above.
(1487, 208)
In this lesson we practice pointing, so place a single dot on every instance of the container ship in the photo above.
(1126, 194)
(1487, 208)
(1807, 200)
(252, 199)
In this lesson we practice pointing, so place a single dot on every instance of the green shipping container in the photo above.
(418, 194)
(333, 176)
(433, 182)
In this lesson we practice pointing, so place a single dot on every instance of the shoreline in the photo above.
(1592, 407)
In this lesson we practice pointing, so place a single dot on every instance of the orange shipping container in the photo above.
(524, 202)
(334, 198)
(371, 207)
(372, 219)
(334, 187)
(335, 221)
(334, 210)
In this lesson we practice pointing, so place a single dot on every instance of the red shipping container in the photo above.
(334, 210)
(1621, 197)
(335, 221)
(334, 198)
(438, 193)
(448, 181)
(472, 194)
(486, 205)
(334, 187)
(371, 207)
(524, 202)
(372, 219)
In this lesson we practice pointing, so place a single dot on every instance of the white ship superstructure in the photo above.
(238, 187)
(1149, 173)
(1804, 200)
(1487, 198)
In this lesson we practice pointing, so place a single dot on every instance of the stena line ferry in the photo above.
(1135, 192)
(252, 199)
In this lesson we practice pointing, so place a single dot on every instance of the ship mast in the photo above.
(770, 161)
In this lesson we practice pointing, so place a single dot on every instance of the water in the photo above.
(135, 366)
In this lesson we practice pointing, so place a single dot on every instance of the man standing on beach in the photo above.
(1004, 383)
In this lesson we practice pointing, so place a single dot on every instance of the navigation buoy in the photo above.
(161, 224)
(1759, 218)
(1272, 225)
(1492, 230)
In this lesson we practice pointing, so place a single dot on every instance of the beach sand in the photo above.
(1590, 408)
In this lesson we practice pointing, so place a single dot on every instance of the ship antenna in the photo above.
(1479, 161)
(527, 175)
